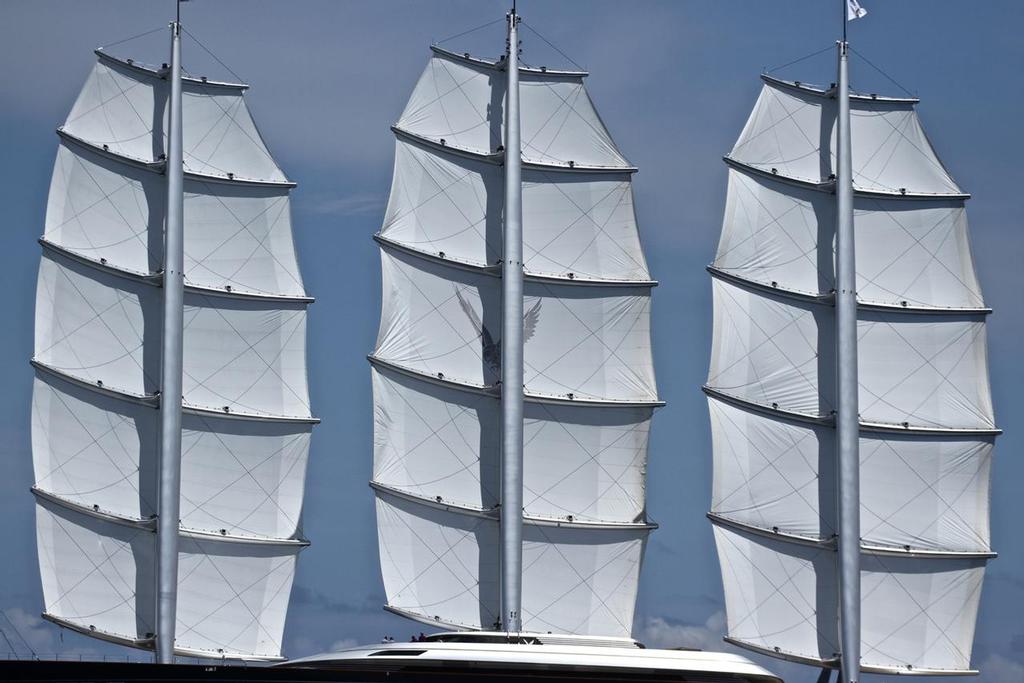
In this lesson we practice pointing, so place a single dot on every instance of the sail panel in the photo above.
(89, 448)
(463, 105)
(90, 325)
(581, 581)
(243, 478)
(439, 565)
(233, 597)
(245, 356)
(765, 350)
(440, 443)
(929, 371)
(581, 342)
(577, 223)
(793, 133)
(445, 204)
(921, 492)
(917, 613)
(443, 566)
(237, 237)
(96, 574)
(909, 252)
(124, 112)
(101, 208)
(772, 474)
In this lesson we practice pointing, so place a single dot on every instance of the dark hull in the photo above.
(122, 672)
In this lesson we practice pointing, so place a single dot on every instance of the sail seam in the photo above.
(155, 278)
(158, 166)
(494, 271)
(828, 299)
(828, 186)
(491, 514)
(492, 390)
(826, 420)
(498, 157)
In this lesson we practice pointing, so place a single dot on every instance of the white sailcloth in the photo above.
(589, 378)
(927, 424)
(245, 432)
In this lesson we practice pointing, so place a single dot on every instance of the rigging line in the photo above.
(459, 35)
(14, 653)
(551, 45)
(159, 28)
(797, 61)
(879, 70)
(18, 632)
(210, 52)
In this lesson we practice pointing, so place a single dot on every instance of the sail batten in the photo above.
(926, 423)
(589, 387)
(246, 416)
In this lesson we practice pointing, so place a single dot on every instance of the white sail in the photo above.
(441, 566)
(927, 424)
(589, 379)
(245, 432)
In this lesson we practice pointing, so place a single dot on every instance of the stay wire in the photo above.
(17, 632)
(552, 45)
(210, 52)
(797, 61)
(459, 35)
(879, 70)
(161, 28)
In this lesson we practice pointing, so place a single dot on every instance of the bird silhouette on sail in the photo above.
(490, 349)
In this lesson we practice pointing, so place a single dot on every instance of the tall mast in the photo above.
(512, 351)
(847, 411)
(171, 371)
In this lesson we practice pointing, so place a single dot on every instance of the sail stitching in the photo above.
(794, 320)
(93, 440)
(949, 506)
(626, 194)
(251, 346)
(770, 463)
(439, 560)
(776, 221)
(615, 481)
(930, 158)
(777, 590)
(435, 435)
(247, 473)
(260, 242)
(67, 593)
(934, 258)
(236, 596)
(591, 334)
(582, 582)
(973, 331)
(118, 303)
(136, 235)
(924, 610)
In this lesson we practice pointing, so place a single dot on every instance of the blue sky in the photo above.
(674, 82)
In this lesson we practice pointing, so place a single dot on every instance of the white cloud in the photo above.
(359, 204)
(30, 632)
(343, 644)
(660, 633)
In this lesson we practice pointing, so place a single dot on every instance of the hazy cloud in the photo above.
(359, 204)
(664, 633)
